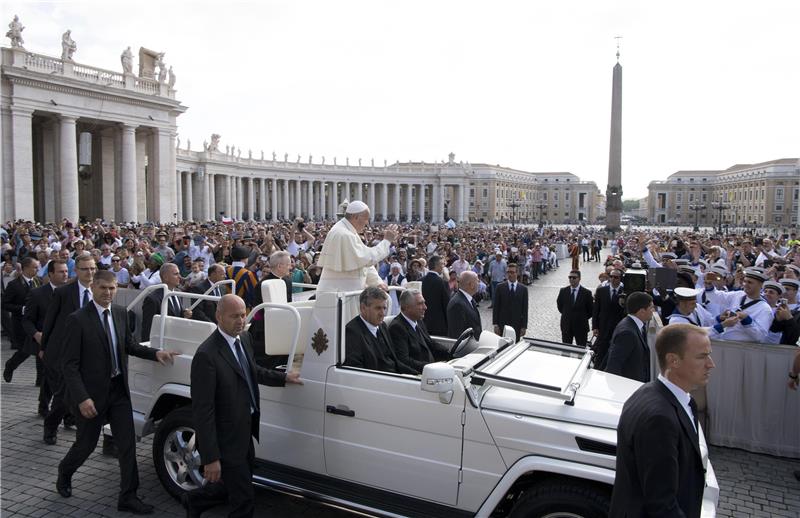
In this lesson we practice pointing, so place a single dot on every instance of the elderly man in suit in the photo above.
(66, 300)
(575, 303)
(660, 470)
(176, 306)
(14, 302)
(412, 343)
(95, 370)
(511, 304)
(226, 411)
(33, 322)
(462, 310)
(368, 343)
(436, 295)
(629, 354)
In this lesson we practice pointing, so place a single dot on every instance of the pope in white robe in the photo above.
(347, 263)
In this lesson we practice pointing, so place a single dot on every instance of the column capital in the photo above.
(124, 126)
(21, 111)
(67, 119)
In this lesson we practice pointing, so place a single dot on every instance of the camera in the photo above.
(783, 302)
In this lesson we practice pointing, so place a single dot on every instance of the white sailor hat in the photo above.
(719, 270)
(795, 269)
(668, 256)
(686, 293)
(680, 262)
(773, 285)
(756, 274)
(685, 268)
(791, 282)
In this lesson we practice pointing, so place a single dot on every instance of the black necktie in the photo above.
(85, 298)
(245, 370)
(693, 406)
(613, 294)
(513, 287)
(176, 306)
(644, 332)
(111, 349)
(574, 295)
(424, 342)
(474, 305)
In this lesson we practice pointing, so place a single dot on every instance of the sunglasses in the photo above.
(115, 260)
(572, 277)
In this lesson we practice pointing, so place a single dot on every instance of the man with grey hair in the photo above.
(412, 343)
(462, 311)
(368, 344)
(347, 263)
(176, 306)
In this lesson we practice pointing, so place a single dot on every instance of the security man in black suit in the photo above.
(412, 343)
(33, 322)
(575, 304)
(66, 300)
(436, 295)
(511, 304)
(462, 310)
(629, 353)
(206, 309)
(659, 465)
(367, 340)
(176, 306)
(95, 369)
(606, 314)
(14, 302)
(226, 411)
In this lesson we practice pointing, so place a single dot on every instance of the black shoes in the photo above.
(135, 505)
(191, 511)
(109, 447)
(7, 374)
(49, 438)
(64, 485)
(69, 422)
(43, 411)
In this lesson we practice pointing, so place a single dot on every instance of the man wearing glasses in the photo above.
(123, 277)
(575, 303)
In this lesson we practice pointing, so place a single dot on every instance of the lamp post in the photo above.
(541, 208)
(513, 206)
(696, 209)
(720, 207)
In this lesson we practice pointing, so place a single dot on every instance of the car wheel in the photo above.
(562, 499)
(175, 454)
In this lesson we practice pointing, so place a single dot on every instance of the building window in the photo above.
(778, 208)
(779, 194)
(778, 219)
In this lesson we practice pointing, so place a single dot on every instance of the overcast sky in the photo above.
(525, 84)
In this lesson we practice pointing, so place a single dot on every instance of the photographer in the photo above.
(746, 316)
(787, 314)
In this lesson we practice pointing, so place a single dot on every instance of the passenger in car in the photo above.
(367, 340)
(412, 343)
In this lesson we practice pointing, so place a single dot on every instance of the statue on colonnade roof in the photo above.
(68, 46)
(15, 32)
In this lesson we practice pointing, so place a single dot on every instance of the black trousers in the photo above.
(119, 414)
(580, 336)
(19, 357)
(58, 408)
(236, 487)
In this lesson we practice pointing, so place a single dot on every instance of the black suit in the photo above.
(575, 314)
(415, 347)
(14, 300)
(151, 306)
(436, 295)
(789, 329)
(226, 413)
(206, 310)
(66, 300)
(629, 354)
(462, 315)
(33, 322)
(366, 351)
(511, 309)
(87, 368)
(659, 465)
(606, 314)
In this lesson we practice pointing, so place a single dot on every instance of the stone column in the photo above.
(189, 214)
(396, 203)
(179, 194)
(206, 197)
(371, 198)
(463, 211)
(69, 171)
(286, 199)
(107, 169)
(228, 196)
(239, 196)
(213, 208)
(310, 201)
(164, 176)
(49, 148)
(334, 198)
(409, 202)
(262, 199)
(321, 200)
(274, 199)
(421, 203)
(385, 201)
(251, 199)
(130, 188)
(298, 201)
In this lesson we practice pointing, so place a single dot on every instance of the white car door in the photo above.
(382, 430)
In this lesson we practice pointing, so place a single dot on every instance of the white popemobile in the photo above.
(522, 429)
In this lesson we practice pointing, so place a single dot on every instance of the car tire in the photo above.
(562, 499)
(175, 454)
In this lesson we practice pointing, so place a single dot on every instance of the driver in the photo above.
(412, 343)
(462, 311)
(368, 344)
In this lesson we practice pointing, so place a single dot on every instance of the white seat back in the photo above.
(279, 332)
(180, 334)
(274, 290)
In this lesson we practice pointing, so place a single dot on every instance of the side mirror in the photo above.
(439, 378)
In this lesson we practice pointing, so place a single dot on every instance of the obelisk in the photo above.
(614, 187)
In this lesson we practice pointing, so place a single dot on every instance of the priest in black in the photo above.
(368, 344)
(413, 345)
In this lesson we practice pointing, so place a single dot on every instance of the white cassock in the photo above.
(347, 263)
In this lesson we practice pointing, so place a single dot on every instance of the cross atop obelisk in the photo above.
(614, 187)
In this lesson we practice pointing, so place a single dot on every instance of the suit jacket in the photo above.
(789, 329)
(415, 348)
(33, 318)
(510, 308)
(65, 301)
(606, 313)
(436, 295)
(221, 399)
(151, 306)
(86, 358)
(462, 315)
(659, 464)
(575, 315)
(629, 354)
(368, 352)
(14, 302)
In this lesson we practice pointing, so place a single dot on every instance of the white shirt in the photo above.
(412, 323)
(294, 248)
(760, 312)
(469, 297)
(372, 329)
(682, 397)
(81, 290)
(639, 323)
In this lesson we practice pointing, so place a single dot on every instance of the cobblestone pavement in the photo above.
(751, 484)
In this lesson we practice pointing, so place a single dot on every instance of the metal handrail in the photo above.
(298, 324)
(209, 290)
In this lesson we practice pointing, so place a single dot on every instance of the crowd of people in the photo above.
(736, 287)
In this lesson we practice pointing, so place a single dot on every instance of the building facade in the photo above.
(742, 196)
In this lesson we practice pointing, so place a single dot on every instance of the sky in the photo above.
(522, 84)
